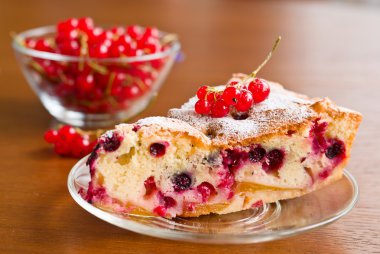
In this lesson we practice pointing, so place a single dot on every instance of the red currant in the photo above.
(43, 45)
(66, 132)
(66, 36)
(245, 101)
(51, 136)
(260, 89)
(213, 96)
(68, 142)
(201, 93)
(96, 35)
(71, 48)
(118, 50)
(61, 147)
(125, 40)
(219, 109)
(231, 95)
(130, 92)
(119, 79)
(99, 51)
(118, 30)
(151, 32)
(30, 43)
(85, 24)
(80, 146)
(206, 189)
(160, 210)
(133, 31)
(108, 42)
(202, 107)
(86, 83)
(152, 47)
(97, 94)
(67, 25)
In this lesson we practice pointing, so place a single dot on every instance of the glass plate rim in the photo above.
(204, 237)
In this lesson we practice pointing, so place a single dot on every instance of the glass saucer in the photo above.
(270, 222)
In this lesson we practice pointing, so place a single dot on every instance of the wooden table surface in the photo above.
(328, 49)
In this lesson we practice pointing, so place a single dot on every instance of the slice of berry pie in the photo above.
(228, 149)
(192, 164)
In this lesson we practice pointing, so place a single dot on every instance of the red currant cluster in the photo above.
(90, 85)
(236, 95)
(70, 142)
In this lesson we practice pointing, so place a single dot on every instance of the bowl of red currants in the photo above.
(90, 76)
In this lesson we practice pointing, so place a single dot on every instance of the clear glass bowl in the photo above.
(270, 222)
(54, 78)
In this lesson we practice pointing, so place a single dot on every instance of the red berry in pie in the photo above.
(181, 182)
(337, 148)
(256, 154)
(150, 185)
(206, 190)
(222, 162)
(273, 160)
(111, 142)
(158, 149)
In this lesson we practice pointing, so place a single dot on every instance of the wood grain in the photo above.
(328, 49)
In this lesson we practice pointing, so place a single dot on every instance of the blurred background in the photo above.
(319, 37)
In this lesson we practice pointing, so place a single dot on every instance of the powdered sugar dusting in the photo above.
(172, 124)
(282, 108)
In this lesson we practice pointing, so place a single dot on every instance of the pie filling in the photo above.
(180, 179)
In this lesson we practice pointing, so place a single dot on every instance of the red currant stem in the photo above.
(34, 65)
(141, 84)
(85, 102)
(98, 68)
(115, 37)
(62, 76)
(128, 80)
(51, 42)
(83, 49)
(169, 38)
(109, 84)
(113, 102)
(17, 38)
(254, 73)
(215, 96)
(83, 38)
(211, 89)
(207, 92)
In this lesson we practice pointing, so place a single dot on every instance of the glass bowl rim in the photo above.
(40, 31)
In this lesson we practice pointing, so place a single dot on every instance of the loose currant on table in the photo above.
(71, 142)
(238, 95)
